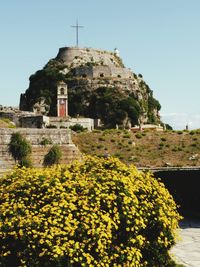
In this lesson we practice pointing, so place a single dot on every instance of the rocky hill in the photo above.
(99, 86)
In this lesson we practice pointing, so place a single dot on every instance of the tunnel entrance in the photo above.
(184, 186)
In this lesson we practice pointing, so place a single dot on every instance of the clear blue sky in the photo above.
(159, 39)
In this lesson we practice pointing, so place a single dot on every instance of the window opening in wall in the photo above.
(119, 76)
(62, 91)
(101, 75)
(84, 75)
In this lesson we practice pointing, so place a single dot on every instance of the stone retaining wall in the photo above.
(61, 137)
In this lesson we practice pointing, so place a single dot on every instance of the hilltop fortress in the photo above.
(82, 86)
(99, 86)
(93, 63)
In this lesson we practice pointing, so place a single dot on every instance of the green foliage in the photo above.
(25, 162)
(77, 128)
(45, 141)
(113, 107)
(101, 138)
(153, 105)
(138, 135)
(53, 156)
(127, 135)
(192, 132)
(5, 120)
(44, 84)
(167, 126)
(20, 149)
(6, 123)
(97, 212)
(180, 132)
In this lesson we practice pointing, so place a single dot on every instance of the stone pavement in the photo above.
(187, 250)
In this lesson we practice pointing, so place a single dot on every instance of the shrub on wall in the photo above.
(77, 128)
(53, 156)
(98, 212)
(45, 141)
(20, 149)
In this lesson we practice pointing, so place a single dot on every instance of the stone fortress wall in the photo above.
(62, 137)
(77, 56)
(103, 71)
(93, 63)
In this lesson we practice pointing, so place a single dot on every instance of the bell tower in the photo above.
(62, 100)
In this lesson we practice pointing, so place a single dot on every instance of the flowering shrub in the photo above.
(98, 212)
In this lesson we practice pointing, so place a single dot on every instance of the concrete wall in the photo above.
(34, 121)
(87, 123)
(61, 137)
(15, 115)
(35, 136)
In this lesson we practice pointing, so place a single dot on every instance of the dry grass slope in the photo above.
(144, 149)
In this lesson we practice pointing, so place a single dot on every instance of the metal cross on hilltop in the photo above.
(77, 28)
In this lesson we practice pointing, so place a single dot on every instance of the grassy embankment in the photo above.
(143, 149)
(6, 123)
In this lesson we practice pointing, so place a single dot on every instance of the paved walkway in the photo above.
(187, 251)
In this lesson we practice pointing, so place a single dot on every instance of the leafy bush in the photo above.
(179, 132)
(167, 126)
(161, 145)
(102, 139)
(99, 146)
(92, 213)
(77, 128)
(192, 132)
(138, 135)
(127, 136)
(53, 156)
(45, 141)
(20, 149)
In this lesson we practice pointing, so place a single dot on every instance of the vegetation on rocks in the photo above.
(104, 99)
(97, 212)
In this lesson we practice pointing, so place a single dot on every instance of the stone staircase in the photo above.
(69, 153)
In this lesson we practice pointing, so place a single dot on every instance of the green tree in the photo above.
(20, 149)
(112, 106)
